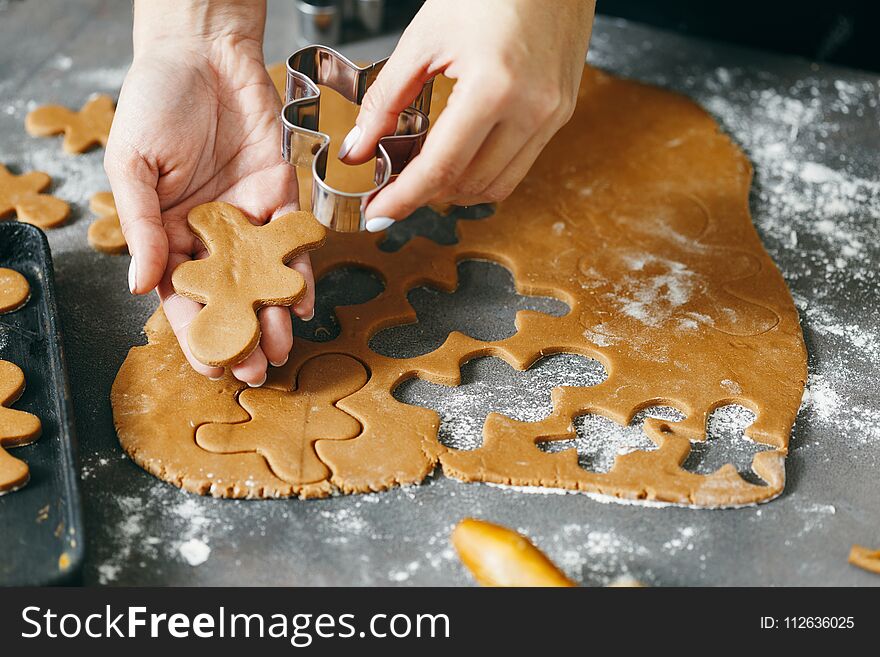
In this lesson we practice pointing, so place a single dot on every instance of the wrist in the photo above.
(165, 23)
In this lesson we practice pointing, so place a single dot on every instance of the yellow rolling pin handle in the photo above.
(865, 558)
(498, 556)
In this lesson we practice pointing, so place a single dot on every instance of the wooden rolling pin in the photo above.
(865, 558)
(498, 556)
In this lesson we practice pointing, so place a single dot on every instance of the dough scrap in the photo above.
(865, 558)
(105, 232)
(90, 126)
(14, 290)
(20, 195)
(636, 215)
(244, 271)
(285, 425)
(17, 428)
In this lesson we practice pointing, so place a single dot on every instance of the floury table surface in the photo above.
(813, 134)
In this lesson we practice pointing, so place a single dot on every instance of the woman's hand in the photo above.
(518, 66)
(197, 122)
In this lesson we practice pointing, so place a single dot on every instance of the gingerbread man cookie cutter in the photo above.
(303, 145)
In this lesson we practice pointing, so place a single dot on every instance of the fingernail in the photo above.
(350, 140)
(219, 378)
(132, 276)
(376, 224)
(310, 317)
(281, 363)
(257, 385)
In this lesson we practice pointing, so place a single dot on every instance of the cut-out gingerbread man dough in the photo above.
(14, 290)
(285, 425)
(636, 215)
(105, 232)
(17, 428)
(20, 195)
(245, 270)
(88, 127)
(865, 558)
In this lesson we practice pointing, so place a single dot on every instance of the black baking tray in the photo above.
(41, 531)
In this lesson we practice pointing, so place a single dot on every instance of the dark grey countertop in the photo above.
(813, 134)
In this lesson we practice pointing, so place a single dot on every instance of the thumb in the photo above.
(396, 86)
(133, 183)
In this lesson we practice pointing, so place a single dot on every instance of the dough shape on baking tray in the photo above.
(14, 290)
(17, 428)
(636, 216)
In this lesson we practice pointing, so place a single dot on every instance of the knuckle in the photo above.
(118, 160)
(444, 174)
(374, 100)
(112, 159)
(498, 193)
(502, 89)
(545, 104)
(566, 109)
(470, 188)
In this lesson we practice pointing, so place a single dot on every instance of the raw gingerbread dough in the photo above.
(636, 215)
(865, 558)
(20, 195)
(105, 232)
(285, 425)
(88, 127)
(17, 428)
(244, 271)
(14, 290)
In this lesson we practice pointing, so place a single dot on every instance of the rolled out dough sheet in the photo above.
(637, 216)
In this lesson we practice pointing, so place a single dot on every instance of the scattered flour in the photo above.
(188, 524)
(682, 541)
(61, 62)
(654, 300)
(597, 556)
(814, 515)
(195, 552)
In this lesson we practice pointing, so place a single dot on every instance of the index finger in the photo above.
(451, 145)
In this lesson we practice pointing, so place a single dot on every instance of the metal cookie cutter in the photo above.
(303, 145)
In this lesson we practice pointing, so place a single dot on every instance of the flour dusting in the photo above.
(189, 526)
(194, 551)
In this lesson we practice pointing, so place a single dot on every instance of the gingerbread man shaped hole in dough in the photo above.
(17, 428)
(21, 195)
(244, 271)
(88, 127)
(285, 425)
